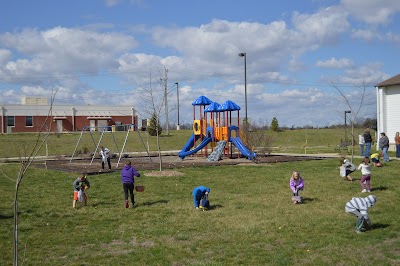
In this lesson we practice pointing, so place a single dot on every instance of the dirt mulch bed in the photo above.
(168, 162)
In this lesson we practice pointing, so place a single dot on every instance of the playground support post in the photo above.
(126, 138)
(77, 144)
(245, 84)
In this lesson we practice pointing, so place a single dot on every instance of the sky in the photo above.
(306, 61)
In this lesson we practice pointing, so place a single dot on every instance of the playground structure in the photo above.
(218, 130)
(108, 130)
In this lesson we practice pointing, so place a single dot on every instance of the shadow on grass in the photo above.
(88, 173)
(154, 202)
(6, 216)
(379, 188)
(95, 204)
(214, 207)
(378, 226)
(305, 200)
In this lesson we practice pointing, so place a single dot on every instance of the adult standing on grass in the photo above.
(128, 174)
(384, 146)
(368, 142)
(359, 208)
(105, 157)
(397, 141)
(80, 185)
(361, 143)
(198, 193)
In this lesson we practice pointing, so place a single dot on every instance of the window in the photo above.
(10, 121)
(29, 121)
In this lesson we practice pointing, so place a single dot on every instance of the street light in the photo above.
(177, 96)
(345, 126)
(245, 86)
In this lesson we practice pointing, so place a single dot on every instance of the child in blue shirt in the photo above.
(198, 193)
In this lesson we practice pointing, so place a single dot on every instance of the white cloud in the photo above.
(366, 75)
(372, 11)
(323, 27)
(366, 34)
(5, 55)
(335, 63)
(63, 51)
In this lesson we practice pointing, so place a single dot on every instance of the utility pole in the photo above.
(166, 100)
(345, 127)
(178, 127)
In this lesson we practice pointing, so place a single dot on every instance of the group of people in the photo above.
(365, 143)
(128, 174)
(357, 206)
(348, 167)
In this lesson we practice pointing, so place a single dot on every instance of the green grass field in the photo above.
(252, 221)
(290, 141)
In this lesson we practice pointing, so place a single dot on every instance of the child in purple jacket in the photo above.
(128, 174)
(296, 184)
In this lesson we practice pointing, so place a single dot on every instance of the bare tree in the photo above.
(26, 160)
(153, 99)
(355, 102)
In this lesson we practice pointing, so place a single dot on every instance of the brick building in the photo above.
(31, 115)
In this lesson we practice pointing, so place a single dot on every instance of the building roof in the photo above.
(390, 82)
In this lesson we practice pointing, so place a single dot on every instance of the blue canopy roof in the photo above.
(229, 106)
(202, 100)
(213, 107)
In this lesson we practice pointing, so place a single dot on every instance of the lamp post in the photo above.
(345, 126)
(245, 87)
(177, 96)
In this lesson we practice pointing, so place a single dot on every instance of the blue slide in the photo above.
(187, 148)
(242, 148)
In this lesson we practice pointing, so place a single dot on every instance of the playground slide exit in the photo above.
(187, 148)
(242, 148)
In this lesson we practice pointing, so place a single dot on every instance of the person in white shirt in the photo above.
(361, 142)
(366, 175)
(105, 157)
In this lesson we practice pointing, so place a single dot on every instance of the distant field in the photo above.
(252, 220)
(293, 141)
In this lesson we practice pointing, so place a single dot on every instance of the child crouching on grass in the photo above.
(296, 184)
(80, 184)
(375, 158)
(359, 208)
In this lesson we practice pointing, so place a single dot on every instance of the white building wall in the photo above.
(388, 108)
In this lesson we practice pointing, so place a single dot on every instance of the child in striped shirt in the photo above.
(359, 208)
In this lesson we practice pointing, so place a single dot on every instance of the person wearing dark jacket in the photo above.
(80, 184)
(384, 146)
(128, 174)
(368, 142)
